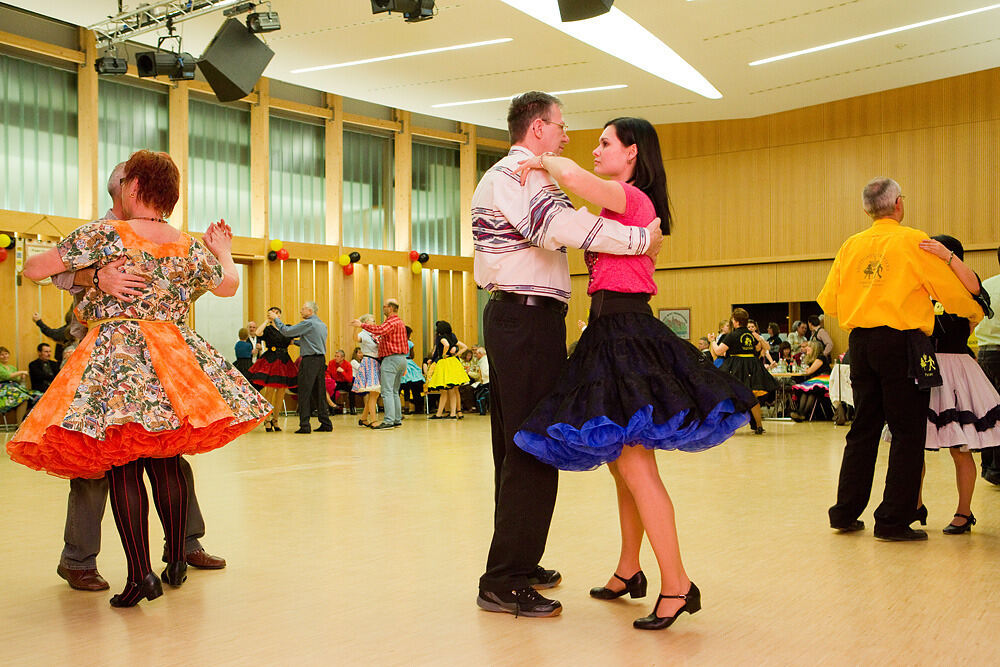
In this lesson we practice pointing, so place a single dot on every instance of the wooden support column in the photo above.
(260, 161)
(178, 103)
(468, 183)
(87, 128)
(408, 284)
(341, 311)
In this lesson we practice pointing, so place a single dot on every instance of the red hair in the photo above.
(158, 179)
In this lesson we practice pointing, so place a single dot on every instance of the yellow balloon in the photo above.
(416, 267)
(4, 240)
(276, 245)
(344, 260)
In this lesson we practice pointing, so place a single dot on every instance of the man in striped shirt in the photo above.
(520, 238)
(393, 346)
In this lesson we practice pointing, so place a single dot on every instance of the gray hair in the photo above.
(311, 305)
(115, 180)
(879, 196)
(393, 302)
(366, 318)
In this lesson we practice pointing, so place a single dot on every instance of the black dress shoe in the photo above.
(952, 529)
(635, 586)
(304, 430)
(851, 527)
(542, 578)
(905, 534)
(921, 515)
(324, 429)
(692, 603)
(149, 588)
(175, 573)
(523, 602)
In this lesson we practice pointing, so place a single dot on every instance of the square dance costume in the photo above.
(631, 380)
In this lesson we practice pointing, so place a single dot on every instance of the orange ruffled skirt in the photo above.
(135, 389)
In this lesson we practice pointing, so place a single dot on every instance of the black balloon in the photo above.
(271, 255)
(355, 256)
(423, 258)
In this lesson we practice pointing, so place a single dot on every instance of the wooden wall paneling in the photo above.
(984, 185)
(467, 184)
(256, 291)
(178, 99)
(444, 311)
(458, 308)
(328, 307)
(985, 101)
(260, 160)
(10, 309)
(910, 160)
(744, 228)
(853, 117)
(744, 134)
(290, 297)
(798, 126)
(697, 206)
(334, 165)
(470, 307)
(955, 184)
(87, 128)
(307, 284)
(361, 279)
(411, 309)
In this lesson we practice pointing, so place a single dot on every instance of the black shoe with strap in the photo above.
(635, 586)
(952, 529)
(692, 603)
(542, 578)
(523, 602)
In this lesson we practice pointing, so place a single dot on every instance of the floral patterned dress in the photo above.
(142, 383)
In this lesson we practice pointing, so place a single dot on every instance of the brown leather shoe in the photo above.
(204, 560)
(83, 580)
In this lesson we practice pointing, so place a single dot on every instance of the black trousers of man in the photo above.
(882, 393)
(526, 347)
(989, 361)
(312, 390)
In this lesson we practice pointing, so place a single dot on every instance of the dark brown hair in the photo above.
(524, 109)
(741, 317)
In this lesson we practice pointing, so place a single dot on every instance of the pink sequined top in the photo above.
(624, 273)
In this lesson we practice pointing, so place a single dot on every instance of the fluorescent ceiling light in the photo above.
(424, 52)
(510, 97)
(890, 31)
(618, 35)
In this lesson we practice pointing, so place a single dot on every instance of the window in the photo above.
(436, 200)
(298, 181)
(218, 167)
(368, 191)
(130, 118)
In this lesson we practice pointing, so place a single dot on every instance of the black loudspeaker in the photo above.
(233, 61)
(578, 10)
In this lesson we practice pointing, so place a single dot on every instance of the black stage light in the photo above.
(109, 65)
(580, 10)
(184, 66)
(241, 8)
(379, 6)
(263, 22)
(412, 10)
(421, 11)
(154, 63)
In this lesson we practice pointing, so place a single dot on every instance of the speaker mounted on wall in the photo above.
(580, 10)
(233, 61)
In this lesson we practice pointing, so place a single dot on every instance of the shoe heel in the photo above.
(637, 586)
(175, 574)
(693, 603)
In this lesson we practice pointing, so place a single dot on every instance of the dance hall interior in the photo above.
(346, 169)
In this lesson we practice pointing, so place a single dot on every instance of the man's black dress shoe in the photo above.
(851, 527)
(523, 602)
(324, 429)
(542, 578)
(905, 534)
(304, 430)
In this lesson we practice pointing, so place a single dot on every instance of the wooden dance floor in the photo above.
(364, 547)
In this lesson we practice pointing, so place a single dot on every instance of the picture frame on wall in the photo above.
(677, 320)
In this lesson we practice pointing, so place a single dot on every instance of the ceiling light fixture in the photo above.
(508, 98)
(403, 55)
(616, 34)
(890, 31)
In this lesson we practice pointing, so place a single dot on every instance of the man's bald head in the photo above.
(115, 183)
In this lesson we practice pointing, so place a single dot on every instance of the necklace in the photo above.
(150, 219)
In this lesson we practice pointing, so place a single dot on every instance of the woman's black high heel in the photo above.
(274, 425)
(149, 588)
(692, 603)
(175, 573)
(634, 586)
(921, 515)
(267, 427)
(952, 529)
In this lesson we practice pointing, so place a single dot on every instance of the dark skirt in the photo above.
(274, 369)
(750, 372)
(632, 381)
(243, 366)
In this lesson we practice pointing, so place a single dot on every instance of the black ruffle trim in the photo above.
(965, 418)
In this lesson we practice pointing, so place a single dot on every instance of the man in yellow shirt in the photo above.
(988, 336)
(880, 289)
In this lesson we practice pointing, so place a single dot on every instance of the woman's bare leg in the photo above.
(632, 531)
(965, 478)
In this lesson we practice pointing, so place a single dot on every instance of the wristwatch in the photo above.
(97, 281)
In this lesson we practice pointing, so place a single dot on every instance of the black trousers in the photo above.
(989, 360)
(312, 390)
(526, 347)
(882, 393)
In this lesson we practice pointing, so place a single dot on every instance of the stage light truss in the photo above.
(153, 16)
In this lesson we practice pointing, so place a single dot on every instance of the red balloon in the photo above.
(3, 254)
(413, 255)
(282, 254)
(349, 270)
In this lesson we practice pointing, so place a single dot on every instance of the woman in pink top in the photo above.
(631, 381)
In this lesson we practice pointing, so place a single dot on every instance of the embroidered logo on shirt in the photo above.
(875, 267)
(927, 363)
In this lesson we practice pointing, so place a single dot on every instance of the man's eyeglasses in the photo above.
(563, 126)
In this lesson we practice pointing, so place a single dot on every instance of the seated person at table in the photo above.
(814, 384)
(784, 355)
(798, 335)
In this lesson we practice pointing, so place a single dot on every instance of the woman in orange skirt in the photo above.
(142, 388)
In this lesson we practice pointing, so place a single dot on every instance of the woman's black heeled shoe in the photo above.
(692, 603)
(175, 573)
(921, 515)
(274, 425)
(634, 586)
(149, 588)
(267, 427)
(952, 529)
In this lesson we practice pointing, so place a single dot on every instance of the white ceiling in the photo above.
(718, 37)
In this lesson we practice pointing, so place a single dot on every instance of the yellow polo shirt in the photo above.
(881, 277)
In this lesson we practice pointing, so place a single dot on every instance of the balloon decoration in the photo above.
(276, 245)
(349, 270)
(416, 267)
(3, 254)
(5, 241)
(414, 255)
(272, 255)
(355, 256)
(344, 259)
(423, 258)
(282, 254)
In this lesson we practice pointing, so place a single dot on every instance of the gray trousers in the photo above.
(391, 371)
(85, 510)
